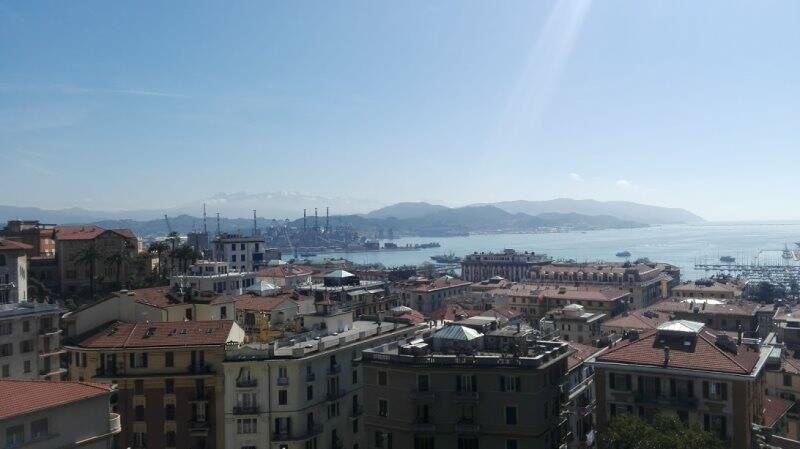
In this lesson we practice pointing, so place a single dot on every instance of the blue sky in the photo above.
(112, 105)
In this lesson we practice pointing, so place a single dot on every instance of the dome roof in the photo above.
(456, 332)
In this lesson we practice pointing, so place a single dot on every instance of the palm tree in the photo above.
(89, 257)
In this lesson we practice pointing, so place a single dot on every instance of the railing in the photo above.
(427, 396)
(424, 427)
(677, 401)
(310, 377)
(114, 423)
(198, 426)
(51, 352)
(467, 396)
(283, 381)
(49, 331)
(246, 383)
(334, 369)
(246, 410)
(467, 426)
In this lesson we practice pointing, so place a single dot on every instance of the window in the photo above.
(138, 386)
(25, 346)
(233, 259)
(169, 412)
(382, 378)
(6, 328)
(138, 360)
(246, 426)
(716, 391)
(15, 436)
(169, 439)
(27, 366)
(233, 247)
(787, 380)
(355, 426)
(169, 359)
(169, 386)
(6, 350)
(510, 383)
(355, 376)
(6, 371)
(310, 392)
(223, 313)
(512, 444)
(383, 440)
(423, 382)
(716, 424)
(467, 443)
(283, 373)
(140, 439)
(39, 428)
(139, 413)
(466, 383)
(511, 416)
(619, 382)
(283, 397)
(241, 246)
(241, 258)
(423, 442)
(383, 407)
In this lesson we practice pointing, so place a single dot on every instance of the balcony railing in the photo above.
(198, 427)
(114, 423)
(310, 377)
(284, 435)
(467, 427)
(283, 381)
(423, 396)
(334, 369)
(49, 331)
(246, 410)
(246, 383)
(467, 396)
(666, 401)
(423, 427)
(51, 352)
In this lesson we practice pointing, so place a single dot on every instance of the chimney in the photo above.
(739, 334)
(666, 355)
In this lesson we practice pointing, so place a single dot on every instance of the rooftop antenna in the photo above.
(255, 225)
(205, 227)
(218, 233)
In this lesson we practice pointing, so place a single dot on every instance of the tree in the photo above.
(666, 432)
(89, 257)
(159, 248)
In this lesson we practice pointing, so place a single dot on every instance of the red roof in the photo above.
(88, 232)
(281, 271)
(702, 354)
(580, 353)
(153, 296)
(21, 396)
(413, 316)
(12, 245)
(774, 409)
(261, 303)
(121, 335)
(451, 311)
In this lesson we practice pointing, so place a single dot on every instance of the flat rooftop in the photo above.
(18, 309)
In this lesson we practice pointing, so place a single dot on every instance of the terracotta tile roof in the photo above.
(281, 271)
(18, 396)
(605, 294)
(88, 232)
(636, 320)
(774, 409)
(440, 283)
(737, 307)
(121, 335)
(261, 303)
(580, 353)
(702, 355)
(159, 297)
(12, 245)
(713, 287)
(451, 311)
(413, 316)
(502, 312)
(783, 443)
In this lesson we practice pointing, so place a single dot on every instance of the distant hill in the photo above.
(623, 210)
(406, 210)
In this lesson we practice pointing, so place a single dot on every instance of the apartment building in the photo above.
(215, 277)
(168, 375)
(582, 398)
(73, 243)
(44, 415)
(343, 290)
(39, 236)
(307, 391)
(782, 381)
(730, 315)
(705, 378)
(646, 282)
(509, 264)
(30, 341)
(426, 295)
(243, 253)
(573, 323)
(465, 387)
(285, 275)
(13, 271)
(708, 288)
(636, 320)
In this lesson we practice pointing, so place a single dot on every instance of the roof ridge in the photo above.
(649, 334)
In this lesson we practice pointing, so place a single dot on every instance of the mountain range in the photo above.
(408, 218)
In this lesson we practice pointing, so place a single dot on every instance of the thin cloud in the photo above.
(83, 90)
(624, 184)
(576, 177)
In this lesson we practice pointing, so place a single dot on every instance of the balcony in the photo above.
(334, 369)
(114, 423)
(283, 381)
(198, 428)
(283, 435)
(467, 427)
(666, 401)
(356, 362)
(246, 410)
(47, 372)
(51, 352)
(423, 396)
(466, 397)
(46, 331)
(423, 427)
(246, 383)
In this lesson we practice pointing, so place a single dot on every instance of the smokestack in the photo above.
(327, 218)
(316, 224)
(205, 227)
(218, 233)
(739, 332)
(304, 220)
(255, 224)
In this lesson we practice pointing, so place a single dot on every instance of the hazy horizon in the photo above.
(692, 105)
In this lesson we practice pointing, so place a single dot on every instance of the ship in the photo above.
(624, 254)
(446, 258)
(727, 259)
